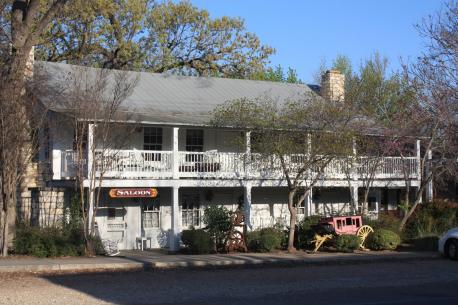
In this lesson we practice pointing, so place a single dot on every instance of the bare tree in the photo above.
(22, 24)
(296, 141)
(433, 116)
(94, 100)
(363, 165)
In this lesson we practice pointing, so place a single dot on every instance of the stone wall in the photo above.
(42, 207)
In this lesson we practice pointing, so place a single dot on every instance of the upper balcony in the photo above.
(146, 164)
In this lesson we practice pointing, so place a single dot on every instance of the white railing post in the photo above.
(56, 164)
(175, 154)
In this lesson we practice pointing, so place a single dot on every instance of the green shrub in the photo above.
(265, 240)
(427, 243)
(347, 243)
(387, 222)
(26, 238)
(284, 232)
(432, 219)
(48, 242)
(218, 223)
(382, 239)
(197, 241)
(252, 240)
(306, 232)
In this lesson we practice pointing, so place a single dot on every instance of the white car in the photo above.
(448, 244)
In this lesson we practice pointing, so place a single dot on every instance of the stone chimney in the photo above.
(333, 86)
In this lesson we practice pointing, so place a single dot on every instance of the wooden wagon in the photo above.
(329, 227)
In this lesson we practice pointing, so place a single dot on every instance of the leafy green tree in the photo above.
(218, 223)
(101, 33)
(161, 37)
(277, 74)
(342, 63)
(373, 90)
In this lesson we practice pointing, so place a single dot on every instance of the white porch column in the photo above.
(175, 155)
(247, 154)
(56, 164)
(354, 165)
(310, 202)
(429, 187)
(354, 194)
(90, 150)
(90, 173)
(247, 204)
(90, 212)
(176, 226)
(418, 155)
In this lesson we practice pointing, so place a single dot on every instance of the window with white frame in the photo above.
(151, 215)
(152, 138)
(115, 214)
(194, 140)
(190, 211)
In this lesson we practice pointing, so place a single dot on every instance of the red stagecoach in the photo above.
(328, 227)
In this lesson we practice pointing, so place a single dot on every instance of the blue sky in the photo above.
(306, 32)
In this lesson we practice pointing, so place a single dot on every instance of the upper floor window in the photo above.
(152, 138)
(194, 140)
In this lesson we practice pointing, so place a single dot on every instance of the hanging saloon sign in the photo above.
(133, 193)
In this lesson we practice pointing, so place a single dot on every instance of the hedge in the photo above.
(264, 240)
(198, 241)
(347, 243)
(48, 242)
(382, 239)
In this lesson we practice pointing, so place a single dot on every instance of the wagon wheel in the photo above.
(319, 240)
(362, 233)
(236, 242)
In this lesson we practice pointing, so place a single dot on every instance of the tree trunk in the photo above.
(8, 211)
(5, 234)
(408, 214)
(292, 222)
(365, 207)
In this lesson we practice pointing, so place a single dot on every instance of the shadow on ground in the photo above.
(418, 282)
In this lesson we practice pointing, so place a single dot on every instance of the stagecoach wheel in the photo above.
(362, 233)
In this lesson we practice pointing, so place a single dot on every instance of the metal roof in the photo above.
(188, 100)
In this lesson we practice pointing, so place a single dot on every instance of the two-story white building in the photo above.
(174, 164)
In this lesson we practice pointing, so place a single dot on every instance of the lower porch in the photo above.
(158, 222)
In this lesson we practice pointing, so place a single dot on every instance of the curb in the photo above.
(203, 264)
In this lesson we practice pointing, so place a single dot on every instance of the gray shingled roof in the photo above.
(188, 100)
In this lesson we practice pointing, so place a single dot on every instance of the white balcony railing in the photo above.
(139, 164)
(211, 165)
(133, 164)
